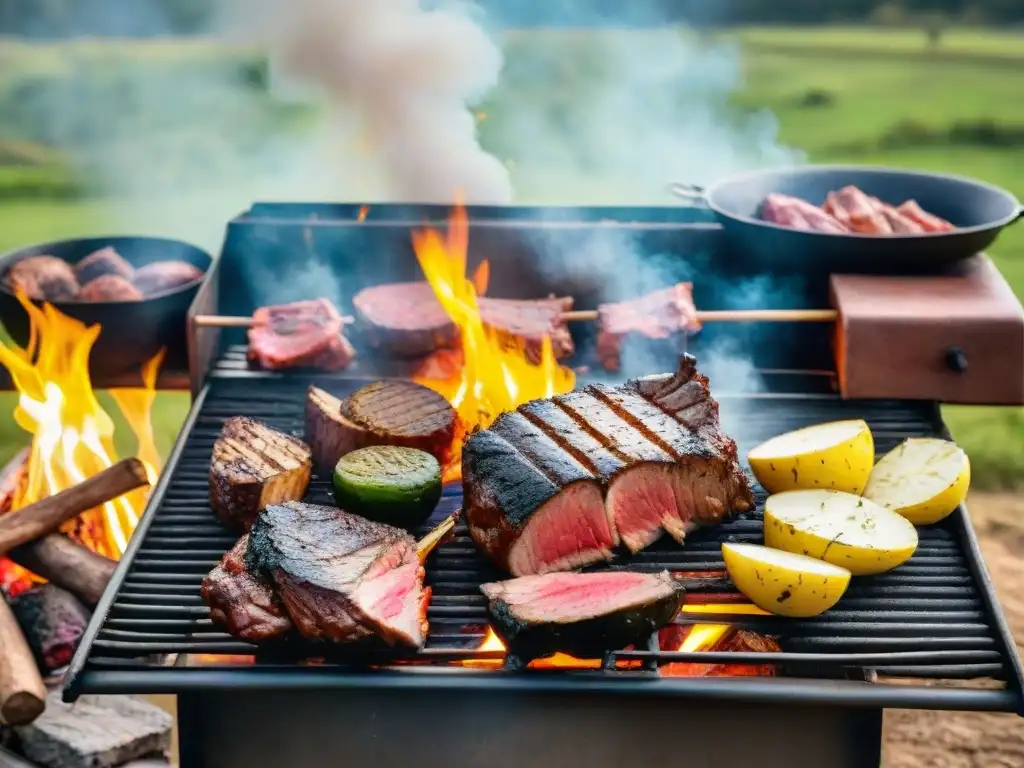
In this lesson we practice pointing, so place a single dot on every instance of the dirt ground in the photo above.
(955, 740)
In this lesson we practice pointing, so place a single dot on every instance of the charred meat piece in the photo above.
(341, 578)
(409, 321)
(581, 614)
(105, 261)
(109, 288)
(163, 276)
(794, 212)
(43, 278)
(659, 315)
(254, 466)
(927, 221)
(241, 602)
(300, 334)
(532, 482)
(389, 412)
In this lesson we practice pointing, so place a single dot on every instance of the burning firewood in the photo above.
(45, 516)
(67, 564)
(53, 622)
(22, 693)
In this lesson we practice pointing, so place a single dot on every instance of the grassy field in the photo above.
(841, 95)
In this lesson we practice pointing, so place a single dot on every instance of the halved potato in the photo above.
(923, 478)
(839, 528)
(837, 455)
(783, 583)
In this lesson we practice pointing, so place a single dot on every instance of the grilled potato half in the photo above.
(924, 479)
(837, 456)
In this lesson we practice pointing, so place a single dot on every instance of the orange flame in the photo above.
(72, 435)
(494, 376)
(361, 216)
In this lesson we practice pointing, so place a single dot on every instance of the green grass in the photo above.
(877, 81)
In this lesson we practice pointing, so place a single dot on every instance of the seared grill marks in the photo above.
(561, 482)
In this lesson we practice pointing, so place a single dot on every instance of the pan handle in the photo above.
(692, 193)
(1019, 216)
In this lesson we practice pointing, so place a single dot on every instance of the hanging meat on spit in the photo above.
(663, 314)
(560, 482)
(850, 210)
(299, 335)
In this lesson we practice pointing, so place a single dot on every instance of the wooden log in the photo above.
(22, 693)
(69, 565)
(45, 516)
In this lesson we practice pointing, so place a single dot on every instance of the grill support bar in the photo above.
(502, 729)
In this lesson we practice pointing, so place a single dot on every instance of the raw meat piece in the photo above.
(341, 578)
(928, 221)
(254, 466)
(794, 212)
(857, 211)
(900, 224)
(109, 288)
(301, 334)
(163, 276)
(581, 614)
(105, 261)
(245, 604)
(43, 278)
(657, 315)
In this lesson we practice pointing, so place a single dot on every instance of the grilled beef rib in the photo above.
(254, 466)
(341, 578)
(389, 412)
(560, 482)
(581, 614)
(242, 602)
(408, 321)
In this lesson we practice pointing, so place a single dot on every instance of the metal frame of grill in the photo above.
(937, 617)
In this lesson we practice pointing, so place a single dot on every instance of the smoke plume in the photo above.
(406, 76)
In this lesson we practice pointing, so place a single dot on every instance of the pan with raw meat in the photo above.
(765, 215)
(138, 289)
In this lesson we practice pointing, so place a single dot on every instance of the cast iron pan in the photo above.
(133, 331)
(980, 211)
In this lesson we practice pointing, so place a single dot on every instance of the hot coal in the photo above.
(106, 261)
(44, 278)
(109, 288)
(390, 412)
(663, 314)
(559, 484)
(163, 276)
(300, 334)
(254, 466)
(341, 578)
(580, 614)
(242, 602)
(53, 622)
(407, 320)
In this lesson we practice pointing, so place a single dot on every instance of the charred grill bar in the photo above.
(934, 618)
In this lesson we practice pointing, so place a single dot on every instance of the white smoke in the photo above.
(406, 77)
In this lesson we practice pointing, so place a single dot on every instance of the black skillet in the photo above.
(980, 211)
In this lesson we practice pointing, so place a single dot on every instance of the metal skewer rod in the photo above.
(590, 315)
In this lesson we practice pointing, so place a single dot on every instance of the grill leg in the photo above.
(459, 729)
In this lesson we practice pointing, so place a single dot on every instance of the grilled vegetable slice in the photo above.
(784, 583)
(388, 483)
(839, 528)
(837, 456)
(923, 478)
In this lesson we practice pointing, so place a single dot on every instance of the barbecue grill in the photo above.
(888, 643)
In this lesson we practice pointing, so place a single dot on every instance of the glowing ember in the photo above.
(72, 436)
(361, 216)
(494, 377)
(491, 642)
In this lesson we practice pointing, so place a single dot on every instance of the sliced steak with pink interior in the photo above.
(530, 505)
(581, 614)
(299, 335)
(341, 578)
(659, 315)
(242, 602)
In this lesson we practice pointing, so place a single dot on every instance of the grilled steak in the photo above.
(390, 412)
(105, 261)
(301, 334)
(407, 320)
(559, 483)
(341, 578)
(242, 602)
(109, 288)
(163, 276)
(254, 466)
(659, 315)
(581, 614)
(44, 278)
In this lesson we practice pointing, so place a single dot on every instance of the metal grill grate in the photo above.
(932, 617)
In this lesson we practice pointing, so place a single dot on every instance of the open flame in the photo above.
(72, 435)
(494, 375)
